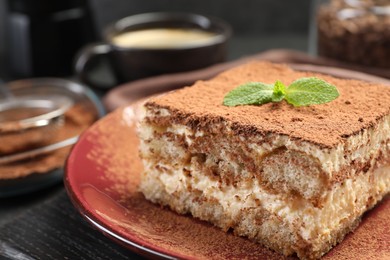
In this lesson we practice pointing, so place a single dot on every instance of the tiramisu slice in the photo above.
(295, 179)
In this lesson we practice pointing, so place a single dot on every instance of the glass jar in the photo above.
(354, 31)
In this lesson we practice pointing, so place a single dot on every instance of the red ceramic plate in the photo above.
(102, 175)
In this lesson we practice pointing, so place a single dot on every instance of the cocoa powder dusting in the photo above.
(326, 125)
(115, 150)
(111, 154)
(371, 240)
(77, 119)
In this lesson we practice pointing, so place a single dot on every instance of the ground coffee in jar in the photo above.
(355, 31)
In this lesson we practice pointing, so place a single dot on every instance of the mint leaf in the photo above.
(310, 91)
(279, 92)
(302, 92)
(252, 93)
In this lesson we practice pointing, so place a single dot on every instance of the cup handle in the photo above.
(84, 60)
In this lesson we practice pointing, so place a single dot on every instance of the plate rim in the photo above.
(150, 251)
(147, 250)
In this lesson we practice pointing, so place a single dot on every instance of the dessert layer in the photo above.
(294, 179)
(217, 177)
(283, 223)
(281, 164)
(360, 106)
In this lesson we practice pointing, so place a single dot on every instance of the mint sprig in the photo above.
(302, 92)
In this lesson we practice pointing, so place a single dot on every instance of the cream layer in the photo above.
(360, 147)
(288, 165)
(344, 203)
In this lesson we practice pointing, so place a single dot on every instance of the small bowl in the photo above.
(30, 121)
(38, 174)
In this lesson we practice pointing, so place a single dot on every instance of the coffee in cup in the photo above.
(165, 38)
(151, 44)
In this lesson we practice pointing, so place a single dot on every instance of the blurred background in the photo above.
(257, 25)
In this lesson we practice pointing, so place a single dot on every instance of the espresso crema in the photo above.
(165, 38)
